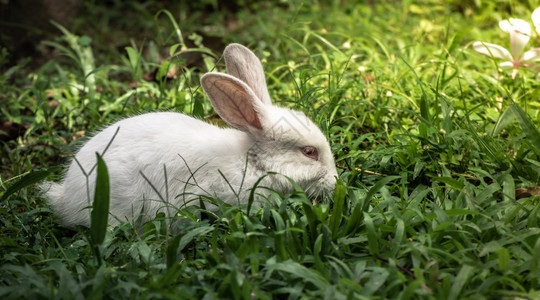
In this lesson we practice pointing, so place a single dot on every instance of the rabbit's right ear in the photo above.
(235, 102)
(244, 65)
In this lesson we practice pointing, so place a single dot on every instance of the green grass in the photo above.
(434, 147)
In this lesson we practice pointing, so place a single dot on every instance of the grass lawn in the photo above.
(437, 149)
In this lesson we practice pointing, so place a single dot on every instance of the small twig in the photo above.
(360, 170)
(466, 175)
(401, 268)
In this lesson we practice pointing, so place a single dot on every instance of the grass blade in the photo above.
(376, 187)
(298, 270)
(528, 127)
(373, 242)
(453, 183)
(423, 103)
(461, 279)
(177, 30)
(171, 251)
(507, 117)
(100, 208)
(27, 180)
(337, 213)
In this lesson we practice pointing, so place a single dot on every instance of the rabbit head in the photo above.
(282, 140)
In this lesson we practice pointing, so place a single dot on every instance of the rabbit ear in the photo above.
(235, 102)
(244, 65)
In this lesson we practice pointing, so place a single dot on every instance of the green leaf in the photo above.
(198, 109)
(456, 39)
(177, 30)
(337, 212)
(460, 212)
(251, 198)
(355, 219)
(172, 50)
(376, 187)
(503, 259)
(172, 249)
(509, 187)
(301, 272)
(188, 237)
(535, 258)
(373, 241)
(398, 236)
(84, 41)
(100, 207)
(317, 253)
(461, 279)
(506, 118)
(412, 287)
(311, 219)
(163, 70)
(279, 240)
(423, 102)
(454, 183)
(31, 178)
(418, 168)
(528, 127)
(134, 57)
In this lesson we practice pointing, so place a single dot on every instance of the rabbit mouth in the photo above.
(319, 195)
(319, 190)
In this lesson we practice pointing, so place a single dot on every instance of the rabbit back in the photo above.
(144, 148)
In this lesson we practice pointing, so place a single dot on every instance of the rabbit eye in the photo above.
(310, 152)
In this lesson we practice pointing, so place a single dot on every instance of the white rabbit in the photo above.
(199, 158)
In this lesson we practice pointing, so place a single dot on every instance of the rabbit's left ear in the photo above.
(244, 65)
(235, 102)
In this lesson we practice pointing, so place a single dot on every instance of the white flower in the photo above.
(536, 19)
(520, 34)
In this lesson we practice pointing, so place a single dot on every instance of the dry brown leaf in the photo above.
(527, 192)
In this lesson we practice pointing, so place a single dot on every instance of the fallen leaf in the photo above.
(527, 192)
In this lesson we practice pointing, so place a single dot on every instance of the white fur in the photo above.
(193, 152)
